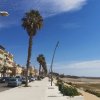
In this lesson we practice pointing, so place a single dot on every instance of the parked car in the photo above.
(19, 77)
(32, 78)
(24, 80)
(4, 79)
(14, 81)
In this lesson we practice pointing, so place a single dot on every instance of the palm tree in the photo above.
(44, 66)
(39, 59)
(32, 22)
(42, 63)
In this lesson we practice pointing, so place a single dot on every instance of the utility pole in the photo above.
(53, 60)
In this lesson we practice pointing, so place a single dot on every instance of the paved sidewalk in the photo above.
(52, 93)
(38, 90)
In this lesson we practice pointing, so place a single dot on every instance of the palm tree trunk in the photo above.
(39, 69)
(28, 59)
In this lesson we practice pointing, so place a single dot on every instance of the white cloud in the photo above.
(7, 24)
(84, 68)
(46, 7)
(95, 64)
(53, 7)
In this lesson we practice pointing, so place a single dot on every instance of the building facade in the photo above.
(2, 57)
(6, 62)
(31, 71)
(16, 70)
(9, 68)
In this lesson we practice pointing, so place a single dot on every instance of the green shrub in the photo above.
(60, 87)
(68, 91)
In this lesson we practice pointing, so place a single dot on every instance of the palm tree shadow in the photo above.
(5, 88)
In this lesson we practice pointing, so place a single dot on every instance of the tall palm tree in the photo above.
(42, 63)
(39, 59)
(44, 66)
(32, 22)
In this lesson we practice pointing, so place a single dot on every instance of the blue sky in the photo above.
(74, 23)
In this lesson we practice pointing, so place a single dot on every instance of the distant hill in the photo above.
(72, 76)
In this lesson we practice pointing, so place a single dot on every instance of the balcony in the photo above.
(1, 52)
(1, 61)
(8, 65)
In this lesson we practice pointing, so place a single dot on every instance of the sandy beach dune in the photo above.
(88, 96)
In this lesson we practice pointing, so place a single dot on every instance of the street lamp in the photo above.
(53, 60)
(4, 13)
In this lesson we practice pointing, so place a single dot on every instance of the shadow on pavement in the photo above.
(4, 87)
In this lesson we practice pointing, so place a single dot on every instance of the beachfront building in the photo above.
(16, 70)
(2, 57)
(31, 71)
(6, 62)
(9, 68)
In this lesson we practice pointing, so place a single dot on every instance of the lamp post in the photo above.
(4, 13)
(53, 60)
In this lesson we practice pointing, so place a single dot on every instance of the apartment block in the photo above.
(6, 62)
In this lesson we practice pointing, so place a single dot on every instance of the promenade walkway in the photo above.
(38, 90)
